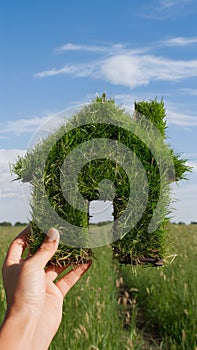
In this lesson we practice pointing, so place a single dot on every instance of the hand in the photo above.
(34, 301)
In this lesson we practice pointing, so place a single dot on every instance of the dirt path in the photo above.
(134, 317)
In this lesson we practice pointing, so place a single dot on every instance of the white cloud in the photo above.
(9, 155)
(70, 69)
(189, 91)
(74, 47)
(79, 70)
(14, 196)
(180, 41)
(123, 70)
(137, 70)
(129, 68)
(106, 49)
(168, 4)
(31, 125)
(8, 187)
(22, 125)
(164, 9)
(179, 118)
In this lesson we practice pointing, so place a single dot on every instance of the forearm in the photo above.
(17, 331)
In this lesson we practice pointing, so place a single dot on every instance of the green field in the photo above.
(117, 307)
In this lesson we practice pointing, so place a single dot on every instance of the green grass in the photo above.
(168, 296)
(161, 300)
(90, 318)
(6, 236)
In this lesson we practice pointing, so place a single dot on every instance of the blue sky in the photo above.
(56, 54)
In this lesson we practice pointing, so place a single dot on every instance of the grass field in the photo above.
(115, 307)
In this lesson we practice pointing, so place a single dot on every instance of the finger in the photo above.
(52, 272)
(17, 248)
(47, 249)
(68, 281)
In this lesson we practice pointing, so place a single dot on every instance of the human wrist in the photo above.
(17, 330)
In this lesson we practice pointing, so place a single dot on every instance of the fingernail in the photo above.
(53, 235)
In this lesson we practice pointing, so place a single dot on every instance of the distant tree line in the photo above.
(101, 223)
(18, 223)
(183, 223)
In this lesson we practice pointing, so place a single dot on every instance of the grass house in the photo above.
(104, 142)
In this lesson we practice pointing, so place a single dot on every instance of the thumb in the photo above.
(47, 248)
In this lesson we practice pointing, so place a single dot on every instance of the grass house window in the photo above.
(100, 212)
